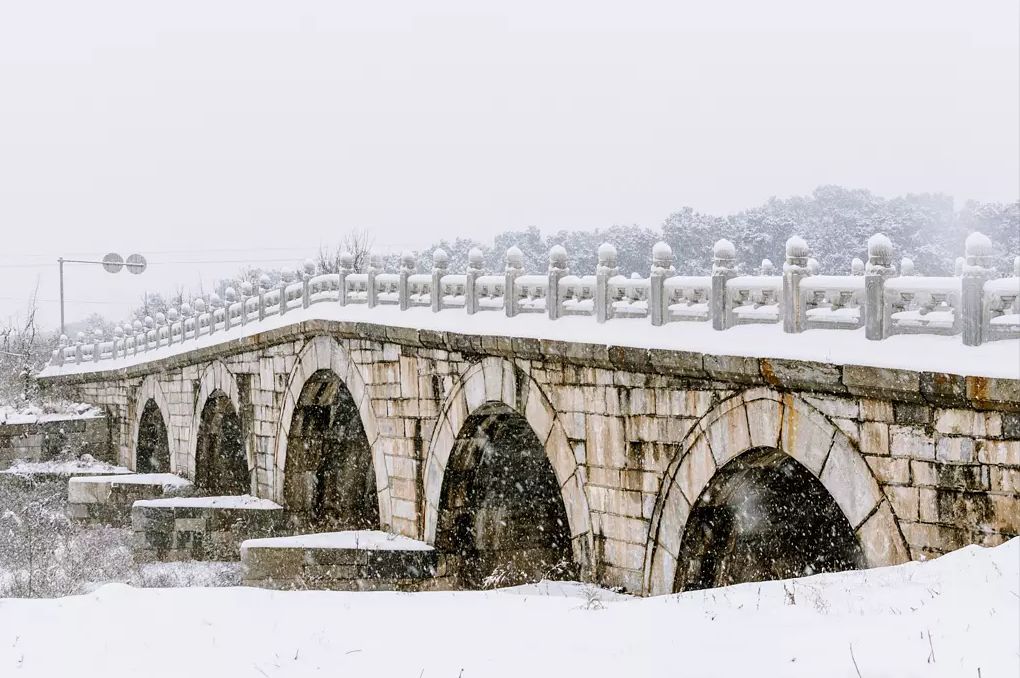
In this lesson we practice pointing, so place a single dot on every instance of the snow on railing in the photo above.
(969, 303)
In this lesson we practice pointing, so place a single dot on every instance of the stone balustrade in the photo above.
(970, 303)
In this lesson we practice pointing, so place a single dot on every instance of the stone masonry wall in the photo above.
(944, 450)
(44, 440)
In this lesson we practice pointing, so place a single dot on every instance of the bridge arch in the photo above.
(323, 354)
(495, 387)
(765, 426)
(150, 399)
(219, 401)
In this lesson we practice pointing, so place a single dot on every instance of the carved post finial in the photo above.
(557, 270)
(796, 267)
(979, 252)
(440, 261)
(724, 260)
(877, 270)
(346, 269)
(662, 268)
(605, 270)
(407, 266)
(476, 261)
(514, 269)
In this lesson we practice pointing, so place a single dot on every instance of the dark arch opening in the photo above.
(764, 516)
(152, 452)
(221, 465)
(501, 517)
(329, 481)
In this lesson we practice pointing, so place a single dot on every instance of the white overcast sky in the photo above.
(224, 130)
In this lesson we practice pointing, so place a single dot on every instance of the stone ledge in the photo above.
(940, 389)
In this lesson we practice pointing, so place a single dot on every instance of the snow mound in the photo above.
(167, 480)
(245, 501)
(368, 540)
(957, 616)
(85, 464)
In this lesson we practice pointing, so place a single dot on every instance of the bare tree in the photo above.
(24, 349)
(358, 243)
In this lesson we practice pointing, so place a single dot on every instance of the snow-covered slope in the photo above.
(958, 616)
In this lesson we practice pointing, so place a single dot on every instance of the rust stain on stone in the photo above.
(980, 387)
(768, 373)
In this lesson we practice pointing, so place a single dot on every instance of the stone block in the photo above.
(905, 501)
(882, 383)
(890, 470)
(802, 375)
(994, 393)
(736, 369)
(907, 441)
(999, 452)
(849, 481)
(877, 410)
(944, 390)
(959, 476)
(874, 438)
(955, 449)
(912, 414)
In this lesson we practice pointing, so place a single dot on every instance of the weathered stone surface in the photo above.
(882, 383)
(802, 375)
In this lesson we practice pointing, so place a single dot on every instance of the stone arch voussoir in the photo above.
(496, 381)
(216, 377)
(761, 417)
(323, 352)
(152, 389)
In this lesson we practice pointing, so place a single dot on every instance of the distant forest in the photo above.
(835, 221)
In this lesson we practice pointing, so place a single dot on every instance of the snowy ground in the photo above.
(59, 411)
(958, 616)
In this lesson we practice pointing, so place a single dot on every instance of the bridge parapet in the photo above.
(970, 303)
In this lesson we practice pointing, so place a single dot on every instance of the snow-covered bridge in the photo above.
(659, 432)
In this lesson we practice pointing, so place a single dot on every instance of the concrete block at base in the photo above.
(202, 528)
(365, 560)
(108, 499)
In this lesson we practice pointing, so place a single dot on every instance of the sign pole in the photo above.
(60, 261)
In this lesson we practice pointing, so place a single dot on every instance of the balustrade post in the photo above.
(286, 276)
(724, 257)
(117, 334)
(514, 269)
(200, 309)
(372, 294)
(557, 269)
(476, 263)
(78, 352)
(160, 324)
(856, 267)
(976, 271)
(264, 284)
(605, 270)
(346, 268)
(795, 268)
(97, 338)
(229, 299)
(244, 297)
(146, 328)
(407, 266)
(215, 303)
(662, 268)
(440, 261)
(878, 269)
(306, 283)
(185, 314)
(172, 316)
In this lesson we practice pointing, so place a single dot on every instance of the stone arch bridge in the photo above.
(654, 470)
(398, 401)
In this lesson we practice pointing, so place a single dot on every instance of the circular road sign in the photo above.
(113, 262)
(136, 263)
